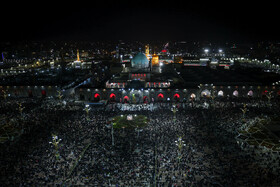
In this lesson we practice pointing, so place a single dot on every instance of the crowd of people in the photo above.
(210, 155)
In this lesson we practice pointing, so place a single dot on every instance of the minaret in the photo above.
(78, 55)
(63, 65)
(3, 57)
(147, 52)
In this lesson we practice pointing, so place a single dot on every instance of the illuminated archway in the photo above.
(145, 99)
(97, 97)
(220, 93)
(250, 93)
(193, 96)
(205, 93)
(112, 97)
(30, 94)
(125, 99)
(160, 97)
(235, 93)
(264, 92)
(176, 97)
(43, 92)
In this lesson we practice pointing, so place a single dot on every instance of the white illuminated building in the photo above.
(77, 64)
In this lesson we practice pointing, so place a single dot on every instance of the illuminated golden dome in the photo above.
(154, 59)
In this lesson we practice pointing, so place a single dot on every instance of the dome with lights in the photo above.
(140, 61)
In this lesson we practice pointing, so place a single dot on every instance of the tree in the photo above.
(20, 108)
(130, 122)
(269, 96)
(59, 94)
(4, 93)
(244, 110)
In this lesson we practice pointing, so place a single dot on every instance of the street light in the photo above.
(87, 109)
(180, 143)
(4, 94)
(138, 130)
(174, 110)
(269, 96)
(55, 141)
(112, 134)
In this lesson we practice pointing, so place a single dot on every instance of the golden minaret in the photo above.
(78, 55)
(147, 52)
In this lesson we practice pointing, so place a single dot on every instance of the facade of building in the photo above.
(176, 95)
(143, 81)
(138, 85)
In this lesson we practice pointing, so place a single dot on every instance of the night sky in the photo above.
(137, 20)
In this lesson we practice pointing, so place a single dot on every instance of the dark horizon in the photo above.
(141, 22)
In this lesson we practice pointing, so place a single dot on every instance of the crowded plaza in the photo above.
(146, 94)
(62, 142)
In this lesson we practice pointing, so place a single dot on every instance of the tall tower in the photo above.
(77, 63)
(117, 51)
(147, 52)
(78, 55)
(63, 64)
(3, 57)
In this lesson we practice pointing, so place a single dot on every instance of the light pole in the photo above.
(87, 109)
(269, 96)
(180, 143)
(174, 110)
(206, 51)
(111, 125)
(55, 141)
(112, 134)
(138, 130)
(213, 96)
